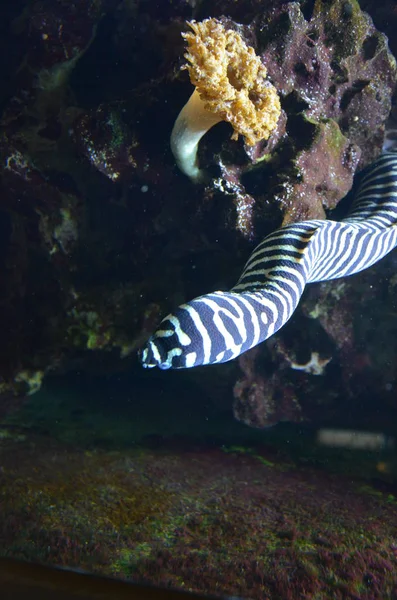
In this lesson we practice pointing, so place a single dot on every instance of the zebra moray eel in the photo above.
(218, 327)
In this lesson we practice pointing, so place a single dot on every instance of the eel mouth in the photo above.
(146, 358)
(150, 356)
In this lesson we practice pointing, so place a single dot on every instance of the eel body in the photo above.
(220, 326)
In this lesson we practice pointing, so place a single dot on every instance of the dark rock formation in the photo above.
(100, 234)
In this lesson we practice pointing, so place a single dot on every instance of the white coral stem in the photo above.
(191, 124)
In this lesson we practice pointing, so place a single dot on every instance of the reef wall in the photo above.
(101, 235)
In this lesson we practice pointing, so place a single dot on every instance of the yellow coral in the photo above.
(231, 80)
(230, 85)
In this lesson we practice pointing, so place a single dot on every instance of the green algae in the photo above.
(345, 25)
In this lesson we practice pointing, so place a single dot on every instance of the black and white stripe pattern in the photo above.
(218, 327)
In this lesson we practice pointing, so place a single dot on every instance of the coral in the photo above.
(32, 380)
(328, 166)
(315, 365)
(390, 144)
(335, 77)
(106, 141)
(230, 84)
(231, 80)
(262, 401)
(384, 15)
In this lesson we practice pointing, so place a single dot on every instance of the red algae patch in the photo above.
(200, 519)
